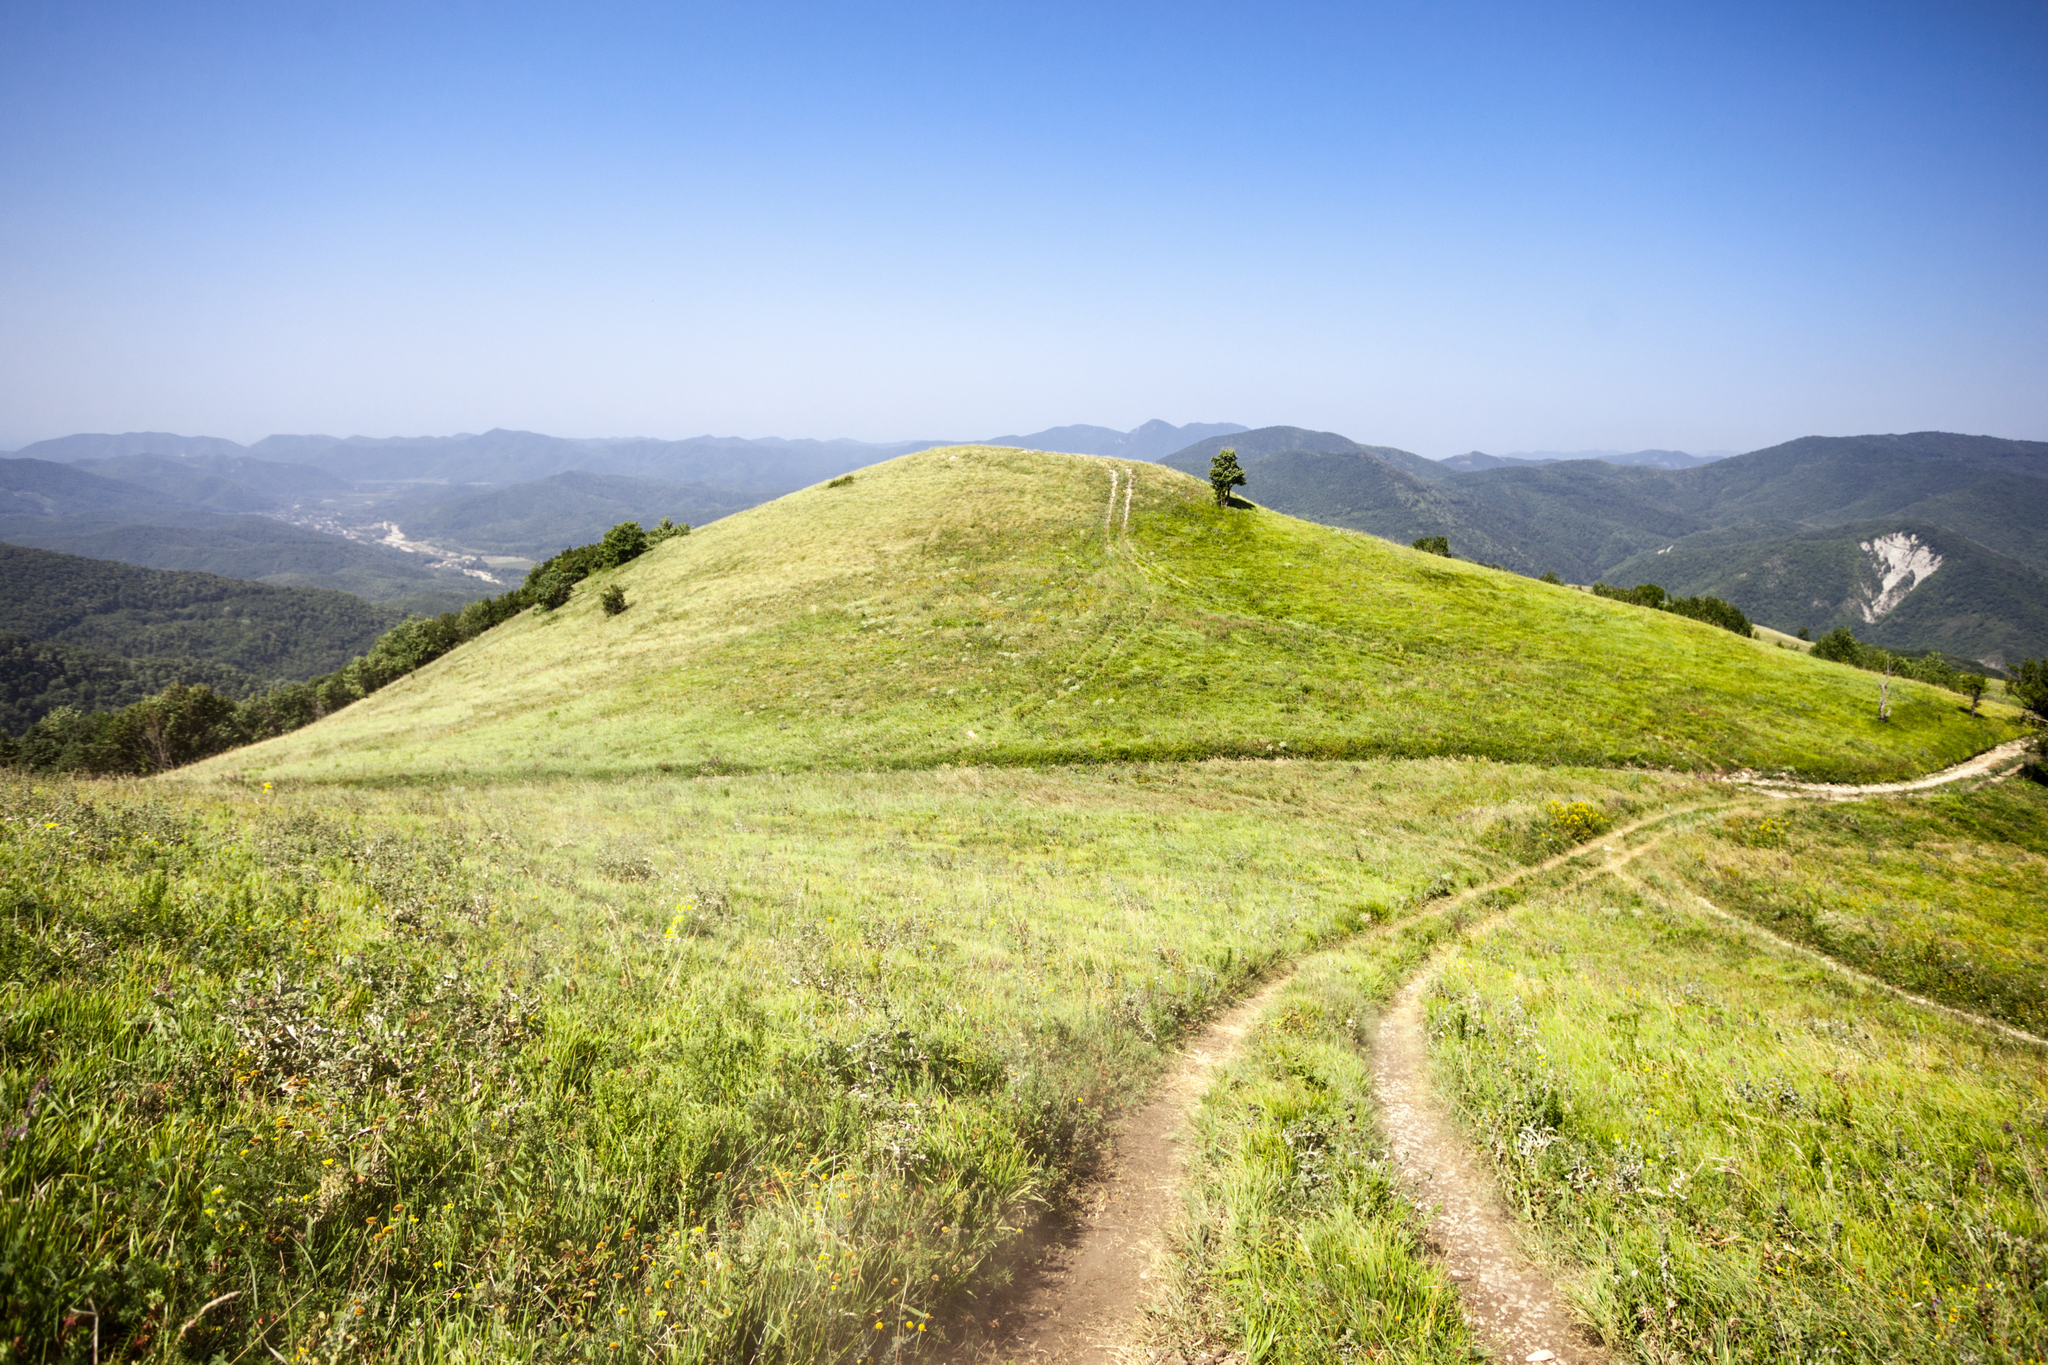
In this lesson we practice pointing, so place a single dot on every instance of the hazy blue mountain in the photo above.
(1473, 460)
(223, 483)
(509, 457)
(89, 446)
(1152, 441)
(1902, 584)
(38, 488)
(1476, 460)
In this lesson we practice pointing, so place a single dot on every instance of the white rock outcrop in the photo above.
(1901, 564)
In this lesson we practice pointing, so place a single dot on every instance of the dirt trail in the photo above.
(1513, 1307)
(1982, 765)
(1082, 1285)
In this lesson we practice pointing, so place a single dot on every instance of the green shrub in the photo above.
(552, 590)
(622, 544)
(840, 482)
(1433, 545)
(612, 599)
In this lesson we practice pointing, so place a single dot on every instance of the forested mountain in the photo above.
(1589, 519)
(38, 676)
(536, 519)
(1258, 445)
(259, 549)
(135, 613)
(1902, 584)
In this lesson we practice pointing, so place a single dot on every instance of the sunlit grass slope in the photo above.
(986, 605)
(1752, 1157)
(758, 1068)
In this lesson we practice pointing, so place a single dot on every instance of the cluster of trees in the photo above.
(185, 723)
(1712, 610)
(1841, 646)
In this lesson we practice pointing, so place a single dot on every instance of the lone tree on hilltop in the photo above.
(1225, 473)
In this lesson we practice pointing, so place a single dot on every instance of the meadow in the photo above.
(1735, 1152)
(764, 1067)
(1945, 896)
(733, 977)
(1000, 607)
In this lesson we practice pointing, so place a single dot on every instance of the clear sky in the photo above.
(1437, 226)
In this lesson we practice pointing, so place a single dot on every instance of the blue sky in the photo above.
(1435, 226)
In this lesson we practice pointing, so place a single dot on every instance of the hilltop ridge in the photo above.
(988, 605)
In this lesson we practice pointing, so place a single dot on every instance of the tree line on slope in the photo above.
(187, 722)
(1712, 610)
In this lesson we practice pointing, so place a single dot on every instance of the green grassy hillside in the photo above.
(984, 605)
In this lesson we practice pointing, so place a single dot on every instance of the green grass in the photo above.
(1945, 895)
(986, 606)
(705, 1067)
(1749, 1156)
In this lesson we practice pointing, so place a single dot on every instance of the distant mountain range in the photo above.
(1789, 525)
(1655, 459)
(1783, 532)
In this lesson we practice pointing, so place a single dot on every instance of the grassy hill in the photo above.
(982, 605)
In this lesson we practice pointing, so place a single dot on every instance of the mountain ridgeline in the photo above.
(1815, 533)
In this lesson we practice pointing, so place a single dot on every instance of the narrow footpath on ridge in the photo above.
(1081, 1284)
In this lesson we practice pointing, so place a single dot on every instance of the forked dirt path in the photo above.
(1512, 1305)
(1080, 1286)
